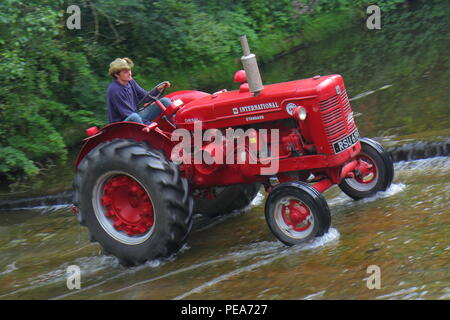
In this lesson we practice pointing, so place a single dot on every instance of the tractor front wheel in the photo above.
(296, 212)
(378, 173)
(133, 201)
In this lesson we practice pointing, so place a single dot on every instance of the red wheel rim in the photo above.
(127, 205)
(367, 170)
(297, 215)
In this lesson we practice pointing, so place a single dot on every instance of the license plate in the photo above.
(346, 142)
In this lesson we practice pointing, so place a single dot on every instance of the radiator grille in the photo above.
(335, 112)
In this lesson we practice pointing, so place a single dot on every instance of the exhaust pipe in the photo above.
(251, 67)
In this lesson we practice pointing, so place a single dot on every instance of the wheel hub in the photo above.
(127, 205)
(366, 171)
(296, 215)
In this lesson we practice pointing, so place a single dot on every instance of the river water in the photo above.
(404, 231)
(398, 79)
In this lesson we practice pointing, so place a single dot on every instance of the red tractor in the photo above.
(137, 186)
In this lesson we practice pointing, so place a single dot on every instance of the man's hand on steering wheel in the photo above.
(161, 88)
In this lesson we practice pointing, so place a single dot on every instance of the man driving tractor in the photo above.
(124, 95)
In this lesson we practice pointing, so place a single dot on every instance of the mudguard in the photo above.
(156, 138)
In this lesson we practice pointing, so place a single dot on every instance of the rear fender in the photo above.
(156, 138)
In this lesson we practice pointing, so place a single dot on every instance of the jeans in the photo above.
(149, 113)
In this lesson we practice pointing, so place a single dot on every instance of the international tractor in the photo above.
(137, 186)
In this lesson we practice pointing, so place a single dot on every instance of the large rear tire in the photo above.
(380, 176)
(227, 199)
(133, 201)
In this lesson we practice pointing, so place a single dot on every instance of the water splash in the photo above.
(156, 263)
(342, 200)
(54, 276)
(446, 295)
(437, 164)
(314, 296)
(258, 200)
(270, 250)
(329, 237)
(88, 266)
(391, 191)
(9, 268)
(94, 264)
(403, 293)
(256, 249)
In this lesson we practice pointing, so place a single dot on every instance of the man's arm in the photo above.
(141, 92)
(122, 105)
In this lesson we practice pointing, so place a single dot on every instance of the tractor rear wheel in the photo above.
(296, 213)
(225, 200)
(133, 201)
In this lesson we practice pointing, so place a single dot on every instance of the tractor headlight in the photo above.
(300, 113)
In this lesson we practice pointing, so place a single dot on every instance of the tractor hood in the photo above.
(241, 107)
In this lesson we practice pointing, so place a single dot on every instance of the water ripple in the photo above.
(343, 200)
(9, 268)
(330, 236)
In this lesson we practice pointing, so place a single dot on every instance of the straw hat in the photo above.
(120, 64)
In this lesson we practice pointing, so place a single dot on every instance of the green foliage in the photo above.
(43, 89)
(12, 159)
(54, 79)
(319, 27)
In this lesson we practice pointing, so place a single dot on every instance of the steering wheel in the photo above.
(151, 98)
